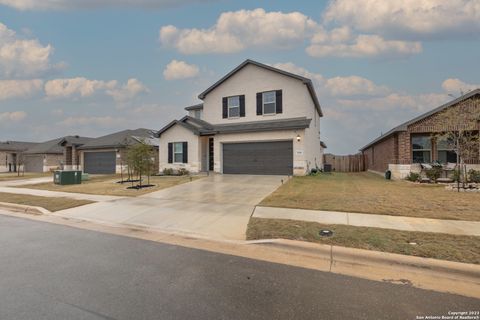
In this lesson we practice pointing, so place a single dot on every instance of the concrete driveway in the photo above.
(217, 207)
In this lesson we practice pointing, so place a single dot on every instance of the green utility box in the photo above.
(67, 177)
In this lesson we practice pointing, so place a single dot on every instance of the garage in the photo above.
(99, 162)
(273, 157)
(33, 163)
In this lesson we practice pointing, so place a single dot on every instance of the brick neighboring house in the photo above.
(10, 153)
(402, 149)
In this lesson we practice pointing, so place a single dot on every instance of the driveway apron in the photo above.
(216, 207)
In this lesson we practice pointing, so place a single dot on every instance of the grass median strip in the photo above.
(8, 176)
(370, 193)
(49, 203)
(107, 185)
(423, 244)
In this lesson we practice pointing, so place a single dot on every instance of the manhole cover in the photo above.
(326, 233)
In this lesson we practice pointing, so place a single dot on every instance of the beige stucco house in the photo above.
(255, 120)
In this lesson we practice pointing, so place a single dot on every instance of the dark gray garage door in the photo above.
(99, 162)
(34, 163)
(258, 158)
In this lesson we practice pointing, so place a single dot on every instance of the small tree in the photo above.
(20, 163)
(460, 131)
(140, 158)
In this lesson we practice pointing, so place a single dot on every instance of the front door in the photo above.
(210, 154)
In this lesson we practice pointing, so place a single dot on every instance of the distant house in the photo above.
(43, 157)
(255, 120)
(403, 148)
(107, 154)
(11, 154)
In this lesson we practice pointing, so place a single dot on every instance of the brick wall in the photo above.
(382, 153)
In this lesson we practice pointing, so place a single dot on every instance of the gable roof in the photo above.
(119, 139)
(200, 127)
(74, 141)
(16, 145)
(404, 126)
(47, 147)
(306, 81)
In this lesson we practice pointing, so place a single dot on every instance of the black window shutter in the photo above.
(259, 104)
(170, 152)
(185, 152)
(242, 105)
(225, 108)
(278, 99)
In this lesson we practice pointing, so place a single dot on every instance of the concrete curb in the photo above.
(345, 255)
(24, 208)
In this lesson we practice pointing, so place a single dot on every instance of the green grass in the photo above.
(107, 185)
(49, 203)
(370, 193)
(430, 245)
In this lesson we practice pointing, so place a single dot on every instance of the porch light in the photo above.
(298, 138)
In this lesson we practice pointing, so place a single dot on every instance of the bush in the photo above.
(183, 172)
(434, 173)
(474, 175)
(168, 171)
(413, 176)
(456, 175)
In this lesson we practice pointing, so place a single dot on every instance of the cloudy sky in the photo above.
(92, 67)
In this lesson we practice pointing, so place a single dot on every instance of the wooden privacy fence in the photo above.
(349, 163)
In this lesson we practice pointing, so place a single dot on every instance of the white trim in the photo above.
(231, 107)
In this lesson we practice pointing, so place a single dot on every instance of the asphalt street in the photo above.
(56, 272)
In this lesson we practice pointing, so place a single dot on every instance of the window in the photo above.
(422, 148)
(197, 114)
(445, 151)
(234, 107)
(269, 103)
(178, 152)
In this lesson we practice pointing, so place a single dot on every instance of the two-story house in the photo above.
(255, 120)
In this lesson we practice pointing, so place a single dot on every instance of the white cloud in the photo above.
(85, 4)
(180, 70)
(22, 57)
(15, 116)
(75, 87)
(350, 86)
(19, 88)
(457, 86)
(128, 91)
(412, 19)
(81, 87)
(235, 31)
(345, 45)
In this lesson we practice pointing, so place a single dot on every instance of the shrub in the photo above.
(413, 176)
(456, 175)
(183, 172)
(168, 171)
(474, 175)
(434, 173)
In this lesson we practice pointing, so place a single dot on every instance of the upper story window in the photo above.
(234, 107)
(421, 149)
(269, 102)
(197, 114)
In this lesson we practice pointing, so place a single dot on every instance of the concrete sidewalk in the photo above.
(456, 227)
(56, 194)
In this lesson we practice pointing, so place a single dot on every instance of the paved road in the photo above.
(218, 207)
(56, 272)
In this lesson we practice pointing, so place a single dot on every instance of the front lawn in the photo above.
(107, 185)
(49, 203)
(423, 244)
(7, 176)
(370, 193)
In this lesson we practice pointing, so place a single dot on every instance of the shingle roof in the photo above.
(195, 107)
(16, 145)
(118, 139)
(47, 147)
(323, 144)
(200, 127)
(404, 126)
(74, 140)
(306, 81)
